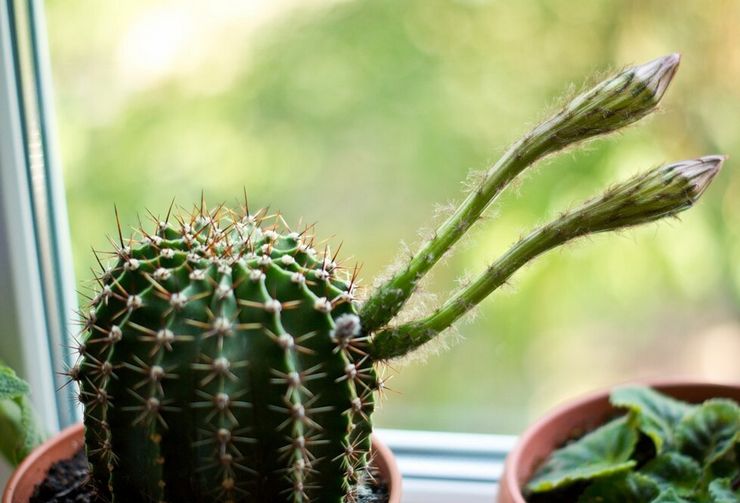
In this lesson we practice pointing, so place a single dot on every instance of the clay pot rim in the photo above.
(40, 455)
(513, 460)
(384, 460)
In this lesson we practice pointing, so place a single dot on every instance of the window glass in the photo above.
(366, 115)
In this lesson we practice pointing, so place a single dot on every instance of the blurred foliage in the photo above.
(361, 115)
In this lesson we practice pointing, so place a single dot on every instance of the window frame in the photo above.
(36, 272)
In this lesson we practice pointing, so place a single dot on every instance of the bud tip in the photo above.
(702, 171)
(658, 73)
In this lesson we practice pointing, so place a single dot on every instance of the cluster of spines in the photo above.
(173, 357)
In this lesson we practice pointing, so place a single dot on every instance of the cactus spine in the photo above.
(224, 359)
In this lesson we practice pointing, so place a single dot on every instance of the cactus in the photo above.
(224, 359)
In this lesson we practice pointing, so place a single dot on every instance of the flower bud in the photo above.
(612, 104)
(657, 193)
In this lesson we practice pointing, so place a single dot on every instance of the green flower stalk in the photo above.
(609, 106)
(655, 194)
(224, 359)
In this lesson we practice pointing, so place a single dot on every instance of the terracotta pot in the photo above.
(576, 418)
(386, 463)
(33, 469)
(64, 445)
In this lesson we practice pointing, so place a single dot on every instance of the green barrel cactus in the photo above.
(225, 362)
(227, 358)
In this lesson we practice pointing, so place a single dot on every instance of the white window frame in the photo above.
(37, 292)
(36, 280)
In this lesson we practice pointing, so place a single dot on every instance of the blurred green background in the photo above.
(365, 115)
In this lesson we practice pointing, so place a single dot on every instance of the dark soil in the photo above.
(67, 482)
(374, 491)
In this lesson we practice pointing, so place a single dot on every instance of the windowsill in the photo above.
(440, 467)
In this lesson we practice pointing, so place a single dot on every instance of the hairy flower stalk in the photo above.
(611, 105)
(655, 194)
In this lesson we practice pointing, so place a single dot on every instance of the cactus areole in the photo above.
(224, 358)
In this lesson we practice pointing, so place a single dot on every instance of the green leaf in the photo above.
(724, 467)
(11, 386)
(721, 491)
(601, 453)
(625, 488)
(709, 432)
(658, 414)
(10, 420)
(19, 430)
(670, 496)
(31, 433)
(673, 470)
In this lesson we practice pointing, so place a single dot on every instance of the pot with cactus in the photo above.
(228, 357)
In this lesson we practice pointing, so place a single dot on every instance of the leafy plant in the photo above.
(19, 430)
(227, 357)
(694, 454)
